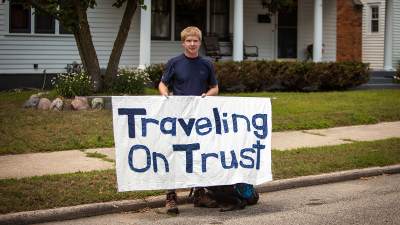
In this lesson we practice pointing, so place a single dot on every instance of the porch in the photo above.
(283, 35)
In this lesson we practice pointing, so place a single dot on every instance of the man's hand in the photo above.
(163, 89)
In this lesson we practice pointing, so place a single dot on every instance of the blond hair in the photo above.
(190, 31)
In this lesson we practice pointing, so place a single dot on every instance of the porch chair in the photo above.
(213, 49)
(217, 51)
(250, 51)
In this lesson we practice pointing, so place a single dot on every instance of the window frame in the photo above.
(32, 31)
(50, 30)
(374, 22)
(169, 10)
(16, 30)
(225, 14)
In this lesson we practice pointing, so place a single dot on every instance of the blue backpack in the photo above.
(246, 192)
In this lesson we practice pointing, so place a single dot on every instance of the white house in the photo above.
(33, 44)
(381, 33)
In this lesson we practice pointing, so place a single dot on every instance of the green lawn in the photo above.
(99, 186)
(29, 130)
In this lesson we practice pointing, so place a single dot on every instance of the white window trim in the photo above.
(369, 18)
(32, 33)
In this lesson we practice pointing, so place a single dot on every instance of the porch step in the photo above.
(382, 73)
(380, 80)
(378, 86)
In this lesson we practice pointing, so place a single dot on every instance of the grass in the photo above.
(99, 186)
(99, 156)
(297, 111)
(29, 130)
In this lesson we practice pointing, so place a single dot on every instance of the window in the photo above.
(219, 20)
(20, 19)
(161, 20)
(188, 13)
(374, 19)
(44, 24)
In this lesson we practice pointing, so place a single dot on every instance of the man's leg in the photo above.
(171, 203)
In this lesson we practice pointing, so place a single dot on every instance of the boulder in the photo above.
(97, 103)
(57, 104)
(80, 103)
(32, 102)
(44, 104)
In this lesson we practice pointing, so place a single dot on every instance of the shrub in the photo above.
(299, 76)
(228, 75)
(72, 84)
(155, 71)
(289, 76)
(344, 75)
(250, 76)
(262, 75)
(130, 80)
(267, 76)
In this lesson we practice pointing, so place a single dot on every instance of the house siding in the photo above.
(306, 28)
(3, 20)
(261, 35)
(330, 30)
(373, 43)
(396, 33)
(18, 52)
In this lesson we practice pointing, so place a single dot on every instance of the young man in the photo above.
(189, 74)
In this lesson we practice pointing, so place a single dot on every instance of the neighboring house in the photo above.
(381, 33)
(32, 44)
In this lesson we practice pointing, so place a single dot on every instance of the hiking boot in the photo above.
(203, 199)
(171, 203)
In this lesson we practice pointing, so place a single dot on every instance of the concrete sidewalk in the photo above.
(38, 164)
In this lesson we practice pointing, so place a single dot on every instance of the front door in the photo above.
(287, 34)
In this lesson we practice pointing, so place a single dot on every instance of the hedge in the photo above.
(261, 75)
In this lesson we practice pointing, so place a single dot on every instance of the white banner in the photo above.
(190, 141)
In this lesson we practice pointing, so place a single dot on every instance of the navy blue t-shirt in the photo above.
(189, 76)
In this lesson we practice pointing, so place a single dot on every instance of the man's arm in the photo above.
(163, 89)
(212, 91)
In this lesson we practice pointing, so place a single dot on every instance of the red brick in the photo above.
(349, 31)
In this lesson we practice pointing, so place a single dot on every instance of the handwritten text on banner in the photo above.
(189, 141)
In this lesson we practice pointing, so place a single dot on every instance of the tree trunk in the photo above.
(86, 48)
(113, 62)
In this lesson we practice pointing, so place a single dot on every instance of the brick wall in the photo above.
(349, 31)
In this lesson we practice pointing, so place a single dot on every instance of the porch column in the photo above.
(388, 65)
(238, 31)
(145, 35)
(318, 29)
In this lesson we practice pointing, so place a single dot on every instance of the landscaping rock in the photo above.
(32, 102)
(80, 103)
(57, 104)
(97, 103)
(44, 104)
